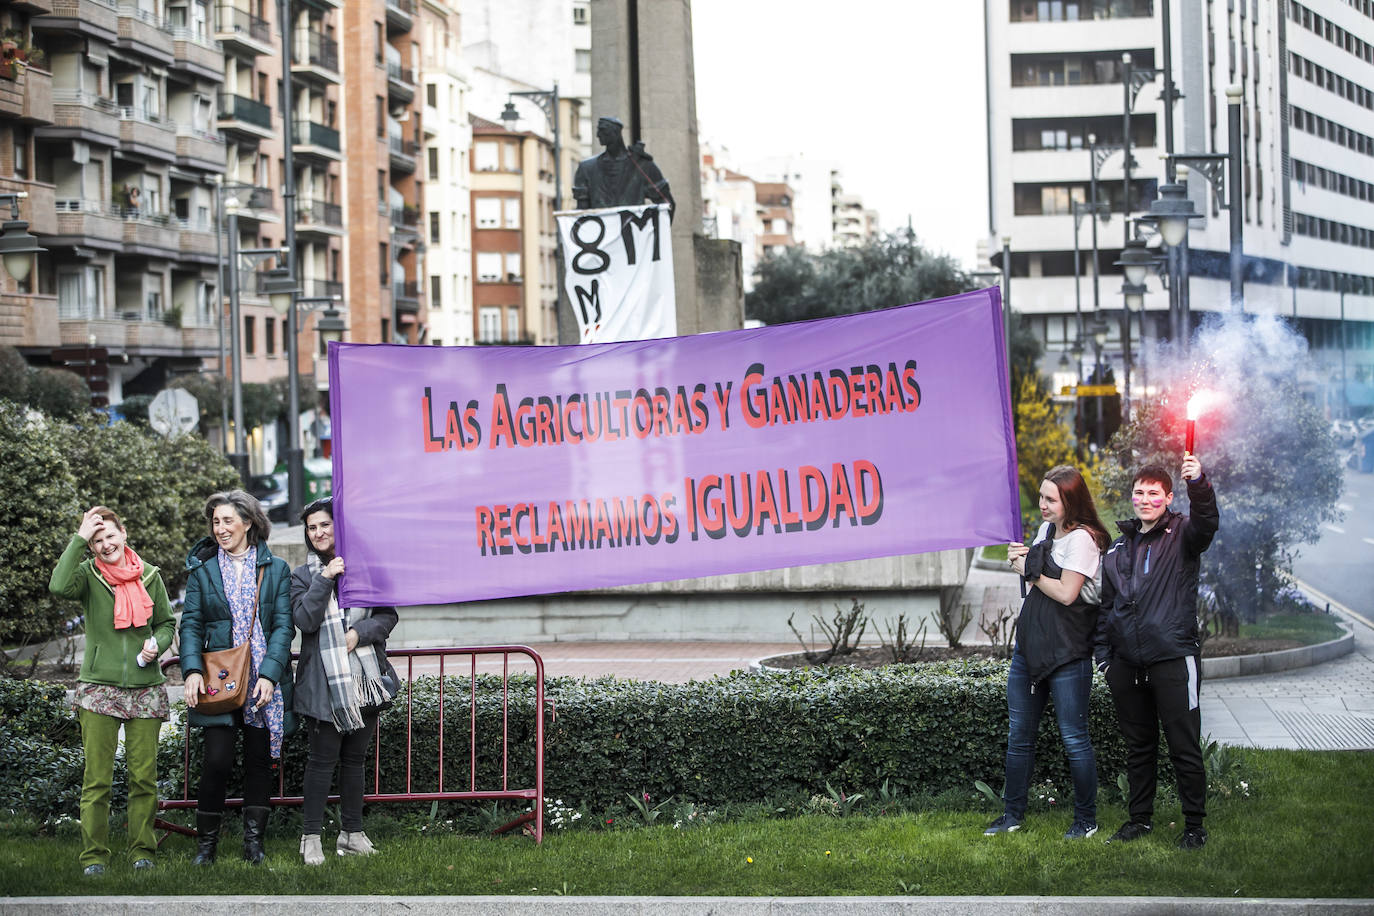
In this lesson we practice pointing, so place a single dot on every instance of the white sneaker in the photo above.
(311, 852)
(354, 844)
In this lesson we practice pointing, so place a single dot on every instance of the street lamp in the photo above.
(1135, 262)
(330, 327)
(17, 246)
(1174, 209)
(548, 102)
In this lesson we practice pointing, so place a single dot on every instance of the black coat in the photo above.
(1151, 616)
(310, 593)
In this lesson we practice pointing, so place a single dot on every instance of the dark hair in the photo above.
(1079, 509)
(1154, 473)
(248, 509)
(324, 504)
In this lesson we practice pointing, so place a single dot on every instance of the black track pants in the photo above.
(1167, 695)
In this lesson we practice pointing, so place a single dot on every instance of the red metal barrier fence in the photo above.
(534, 794)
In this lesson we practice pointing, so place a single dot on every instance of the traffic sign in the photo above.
(1097, 391)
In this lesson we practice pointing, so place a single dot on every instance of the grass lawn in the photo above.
(1305, 832)
(1308, 629)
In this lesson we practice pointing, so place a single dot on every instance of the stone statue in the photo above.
(621, 176)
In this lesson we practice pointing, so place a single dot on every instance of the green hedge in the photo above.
(745, 738)
(923, 729)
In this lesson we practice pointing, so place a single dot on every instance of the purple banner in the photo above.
(463, 473)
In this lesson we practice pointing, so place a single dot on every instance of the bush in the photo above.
(59, 393)
(134, 409)
(52, 471)
(922, 729)
(14, 375)
(42, 512)
(40, 750)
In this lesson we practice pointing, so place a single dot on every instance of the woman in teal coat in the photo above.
(232, 573)
(128, 625)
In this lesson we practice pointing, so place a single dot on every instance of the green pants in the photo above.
(99, 739)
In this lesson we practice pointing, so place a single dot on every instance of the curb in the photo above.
(1281, 660)
(686, 906)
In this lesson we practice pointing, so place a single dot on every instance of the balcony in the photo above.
(403, 154)
(316, 56)
(200, 149)
(316, 140)
(27, 97)
(38, 209)
(154, 235)
(250, 286)
(400, 82)
(241, 115)
(407, 297)
(400, 16)
(28, 320)
(87, 224)
(77, 113)
(197, 55)
(145, 33)
(315, 217)
(322, 289)
(256, 204)
(98, 19)
(134, 333)
(241, 32)
(147, 134)
(196, 241)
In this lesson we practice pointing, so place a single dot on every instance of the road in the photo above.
(1341, 564)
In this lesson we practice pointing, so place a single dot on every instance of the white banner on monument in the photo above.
(618, 272)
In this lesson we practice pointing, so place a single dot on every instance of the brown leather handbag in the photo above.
(226, 674)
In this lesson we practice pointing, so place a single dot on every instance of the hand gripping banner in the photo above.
(463, 473)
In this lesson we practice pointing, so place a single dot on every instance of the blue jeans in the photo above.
(1070, 685)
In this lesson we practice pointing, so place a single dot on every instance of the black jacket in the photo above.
(310, 593)
(1150, 615)
(1049, 635)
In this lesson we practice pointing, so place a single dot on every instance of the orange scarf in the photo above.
(132, 606)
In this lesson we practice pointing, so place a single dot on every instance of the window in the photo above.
(580, 14)
(489, 267)
(382, 261)
(512, 323)
(381, 42)
(486, 156)
(488, 212)
(269, 335)
(510, 208)
(285, 337)
(21, 151)
(249, 339)
(432, 95)
(436, 293)
(381, 186)
(432, 155)
(381, 117)
(583, 60)
(489, 324)
(434, 227)
(510, 155)
(513, 267)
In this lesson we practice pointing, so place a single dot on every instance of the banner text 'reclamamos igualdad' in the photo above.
(530, 420)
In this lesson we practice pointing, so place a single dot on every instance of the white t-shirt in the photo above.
(1076, 551)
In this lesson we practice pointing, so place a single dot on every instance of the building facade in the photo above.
(1056, 121)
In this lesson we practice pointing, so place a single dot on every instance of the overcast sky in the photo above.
(890, 89)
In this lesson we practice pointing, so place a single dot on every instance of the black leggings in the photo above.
(328, 747)
(219, 762)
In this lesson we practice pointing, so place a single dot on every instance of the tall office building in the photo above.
(1055, 80)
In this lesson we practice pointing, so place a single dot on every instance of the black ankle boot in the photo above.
(254, 831)
(207, 836)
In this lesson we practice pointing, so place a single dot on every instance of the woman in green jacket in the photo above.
(232, 574)
(128, 625)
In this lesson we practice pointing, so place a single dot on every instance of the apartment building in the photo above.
(514, 295)
(384, 187)
(447, 225)
(109, 130)
(776, 221)
(1306, 69)
(853, 224)
(251, 119)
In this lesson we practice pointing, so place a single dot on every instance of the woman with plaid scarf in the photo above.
(343, 681)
